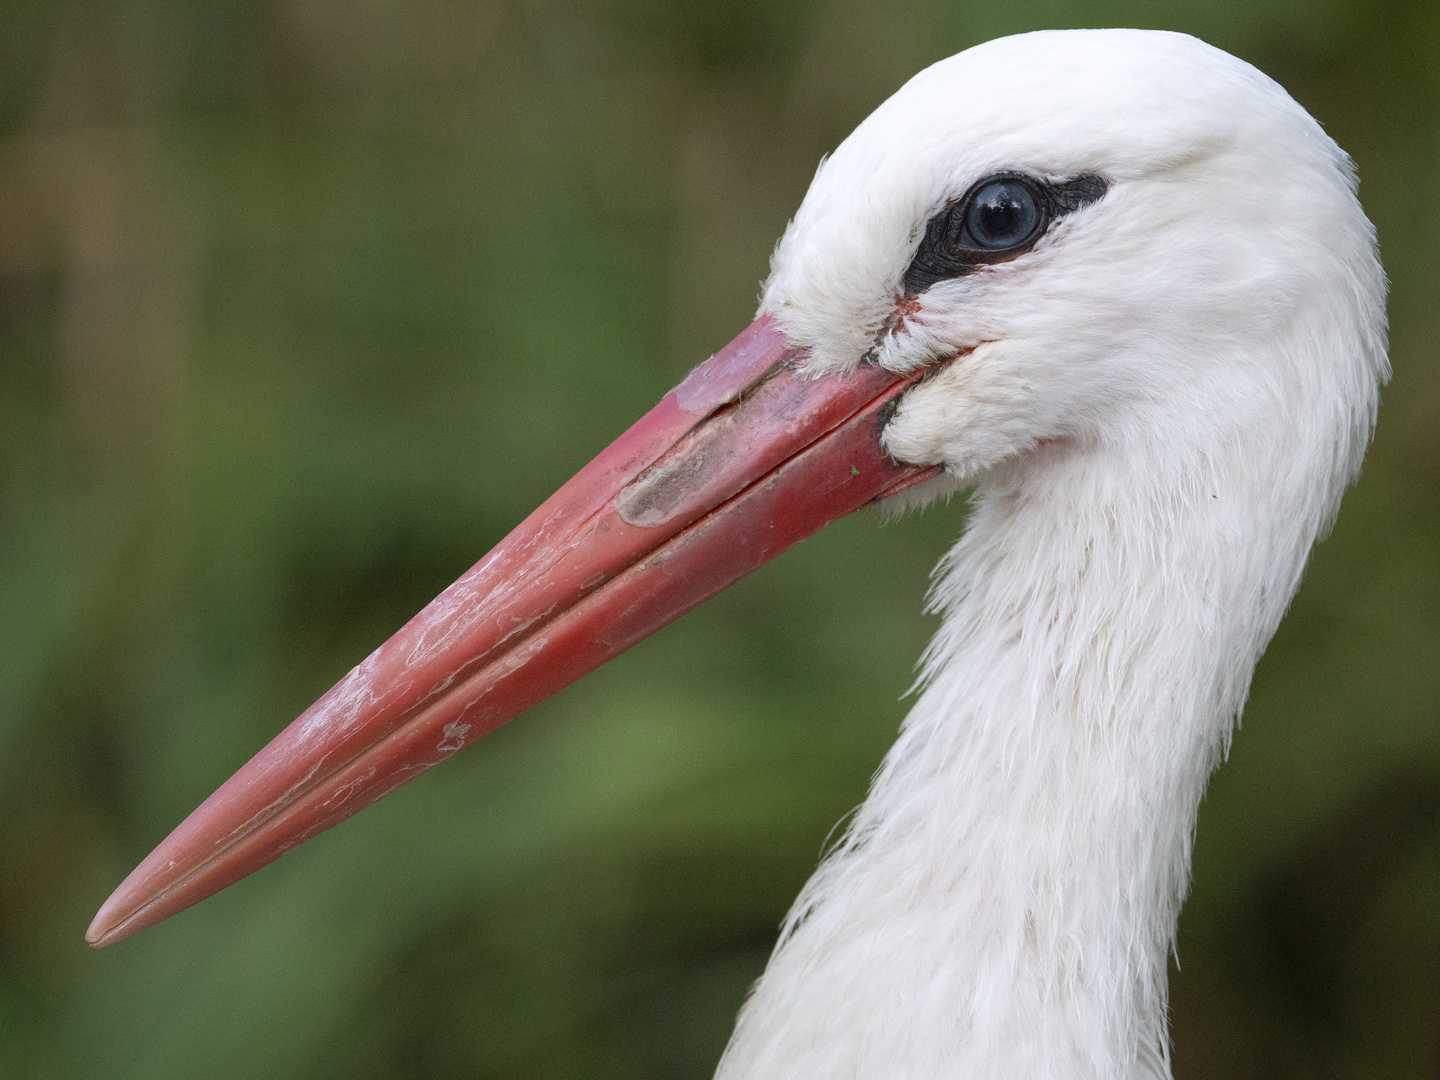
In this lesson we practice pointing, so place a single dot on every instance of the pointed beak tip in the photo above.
(113, 922)
(97, 936)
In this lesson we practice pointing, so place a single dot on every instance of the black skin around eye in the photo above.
(950, 249)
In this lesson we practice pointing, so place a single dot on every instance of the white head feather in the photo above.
(1159, 407)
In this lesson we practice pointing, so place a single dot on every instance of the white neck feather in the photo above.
(1006, 898)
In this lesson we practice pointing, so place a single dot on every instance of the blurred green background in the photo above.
(304, 303)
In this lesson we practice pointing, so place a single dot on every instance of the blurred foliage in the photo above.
(303, 303)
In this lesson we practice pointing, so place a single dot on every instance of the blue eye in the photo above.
(1004, 214)
(999, 218)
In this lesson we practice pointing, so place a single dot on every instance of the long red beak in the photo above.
(737, 463)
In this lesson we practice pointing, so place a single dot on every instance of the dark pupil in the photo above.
(1002, 215)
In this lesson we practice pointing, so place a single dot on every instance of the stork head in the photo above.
(1101, 241)
(1128, 237)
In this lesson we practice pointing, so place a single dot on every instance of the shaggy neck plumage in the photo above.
(1007, 896)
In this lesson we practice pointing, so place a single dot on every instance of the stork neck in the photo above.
(1006, 899)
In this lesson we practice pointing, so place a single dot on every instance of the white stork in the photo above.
(1119, 283)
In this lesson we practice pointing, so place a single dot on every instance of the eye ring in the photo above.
(999, 217)
(1008, 210)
